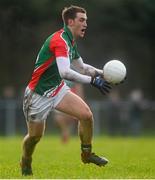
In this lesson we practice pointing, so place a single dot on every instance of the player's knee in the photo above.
(87, 115)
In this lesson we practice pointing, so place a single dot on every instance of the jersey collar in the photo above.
(69, 34)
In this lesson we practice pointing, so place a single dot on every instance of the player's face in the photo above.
(79, 25)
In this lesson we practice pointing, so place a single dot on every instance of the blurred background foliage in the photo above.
(117, 29)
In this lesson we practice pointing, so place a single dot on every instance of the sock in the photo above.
(86, 148)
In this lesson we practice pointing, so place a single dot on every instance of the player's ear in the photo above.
(70, 22)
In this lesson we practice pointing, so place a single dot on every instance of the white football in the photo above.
(114, 71)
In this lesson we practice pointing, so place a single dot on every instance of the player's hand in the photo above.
(101, 84)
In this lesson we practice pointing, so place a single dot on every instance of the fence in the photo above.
(108, 118)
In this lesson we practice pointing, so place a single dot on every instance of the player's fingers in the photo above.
(107, 86)
(105, 89)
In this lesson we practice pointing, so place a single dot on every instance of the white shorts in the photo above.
(37, 107)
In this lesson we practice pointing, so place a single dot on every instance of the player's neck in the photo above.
(72, 31)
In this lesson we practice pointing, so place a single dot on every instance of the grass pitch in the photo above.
(129, 158)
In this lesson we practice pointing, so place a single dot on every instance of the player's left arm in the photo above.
(84, 68)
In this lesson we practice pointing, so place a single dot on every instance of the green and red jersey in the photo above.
(46, 78)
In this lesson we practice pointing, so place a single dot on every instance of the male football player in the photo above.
(58, 59)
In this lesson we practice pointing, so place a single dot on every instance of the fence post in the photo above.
(10, 129)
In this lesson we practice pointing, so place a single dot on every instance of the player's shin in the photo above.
(86, 132)
(29, 144)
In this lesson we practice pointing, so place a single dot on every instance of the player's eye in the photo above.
(82, 19)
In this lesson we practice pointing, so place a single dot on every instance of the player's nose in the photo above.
(85, 24)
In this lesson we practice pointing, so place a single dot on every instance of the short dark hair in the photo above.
(70, 12)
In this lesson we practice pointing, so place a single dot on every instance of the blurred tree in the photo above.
(121, 29)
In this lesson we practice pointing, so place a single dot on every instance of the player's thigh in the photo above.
(36, 128)
(74, 106)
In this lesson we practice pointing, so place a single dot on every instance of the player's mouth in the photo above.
(83, 31)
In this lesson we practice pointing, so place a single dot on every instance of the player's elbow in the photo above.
(64, 74)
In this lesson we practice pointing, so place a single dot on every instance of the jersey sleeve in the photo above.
(59, 48)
